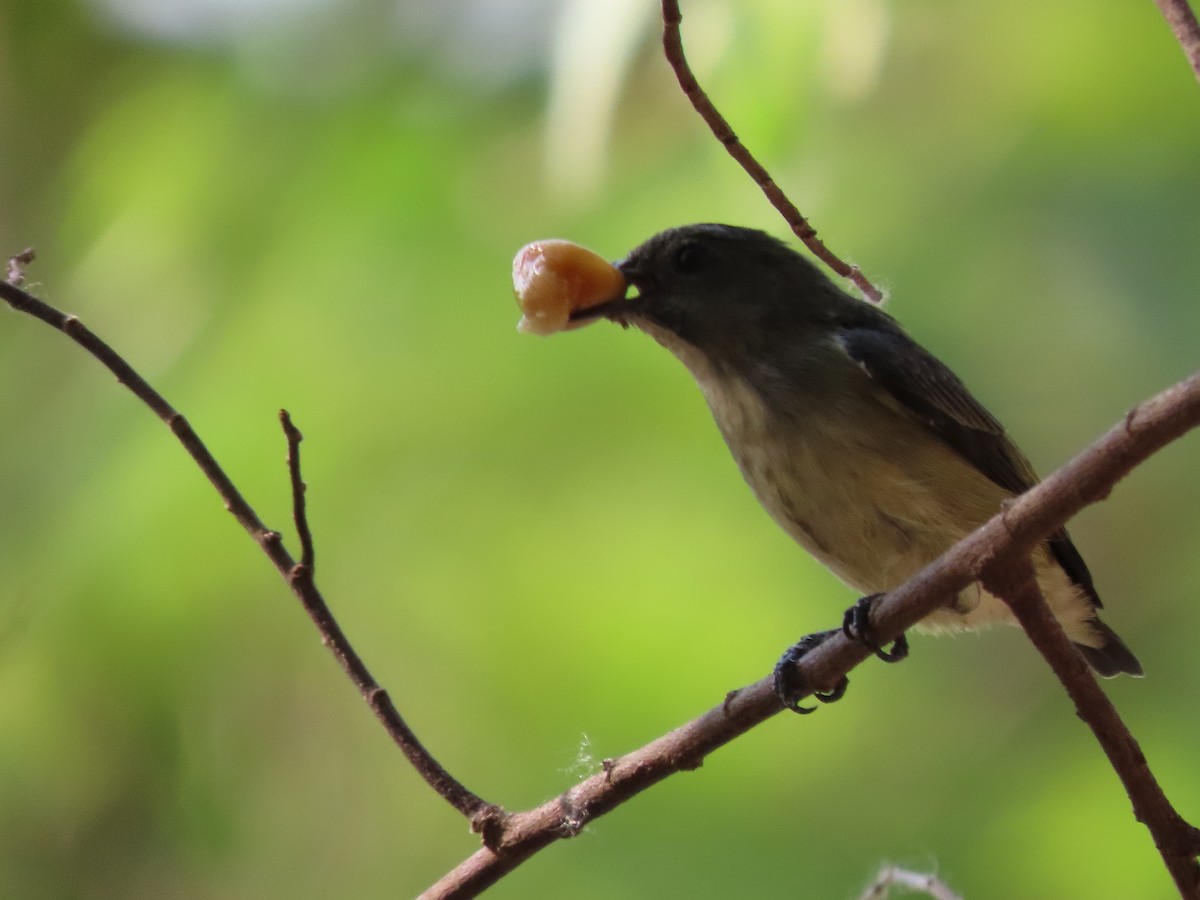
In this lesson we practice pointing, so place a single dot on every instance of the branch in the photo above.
(997, 553)
(1008, 536)
(299, 512)
(483, 815)
(1183, 24)
(673, 50)
(1176, 840)
(994, 552)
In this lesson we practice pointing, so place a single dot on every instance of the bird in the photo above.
(861, 444)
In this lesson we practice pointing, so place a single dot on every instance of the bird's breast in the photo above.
(869, 491)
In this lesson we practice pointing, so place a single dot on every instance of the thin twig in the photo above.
(1186, 29)
(299, 489)
(485, 817)
(721, 129)
(1177, 841)
(1011, 534)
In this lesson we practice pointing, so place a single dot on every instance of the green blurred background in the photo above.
(540, 546)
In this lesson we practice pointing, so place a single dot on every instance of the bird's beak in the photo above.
(618, 308)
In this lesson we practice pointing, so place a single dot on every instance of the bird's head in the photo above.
(726, 293)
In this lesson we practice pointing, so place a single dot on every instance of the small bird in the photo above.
(859, 443)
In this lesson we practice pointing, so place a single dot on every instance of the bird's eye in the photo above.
(689, 257)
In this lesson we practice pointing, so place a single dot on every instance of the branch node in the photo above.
(689, 762)
(1006, 506)
(1129, 417)
(573, 818)
(729, 698)
(489, 822)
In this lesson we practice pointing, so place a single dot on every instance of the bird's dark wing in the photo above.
(924, 386)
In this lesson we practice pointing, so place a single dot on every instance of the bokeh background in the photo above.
(541, 546)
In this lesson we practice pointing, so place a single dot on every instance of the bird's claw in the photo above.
(856, 625)
(789, 687)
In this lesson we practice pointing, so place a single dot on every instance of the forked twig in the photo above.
(484, 816)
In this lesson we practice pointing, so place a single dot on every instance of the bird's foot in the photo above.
(856, 625)
(790, 687)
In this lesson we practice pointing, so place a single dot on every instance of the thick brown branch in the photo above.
(484, 816)
(1087, 478)
(1184, 26)
(1177, 841)
(721, 129)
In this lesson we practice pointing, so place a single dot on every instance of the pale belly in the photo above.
(875, 505)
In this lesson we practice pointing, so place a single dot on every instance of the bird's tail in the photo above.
(1112, 657)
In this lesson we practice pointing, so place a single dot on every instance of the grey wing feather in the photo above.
(935, 395)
